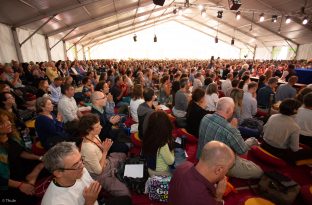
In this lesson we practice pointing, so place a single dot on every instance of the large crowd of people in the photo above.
(80, 136)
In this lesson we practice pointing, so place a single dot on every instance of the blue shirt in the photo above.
(263, 97)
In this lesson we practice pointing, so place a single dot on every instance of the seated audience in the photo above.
(216, 127)
(119, 92)
(234, 84)
(281, 133)
(227, 84)
(19, 168)
(211, 97)
(96, 158)
(158, 144)
(67, 105)
(55, 89)
(49, 128)
(87, 89)
(237, 96)
(287, 90)
(302, 93)
(164, 90)
(206, 181)
(72, 184)
(249, 108)
(304, 120)
(266, 93)
(98, 100)
(182, 98)
(136, 100)
(145, 109)
(43, 89)
(196, 111)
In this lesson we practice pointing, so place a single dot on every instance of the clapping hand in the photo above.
(90, 194)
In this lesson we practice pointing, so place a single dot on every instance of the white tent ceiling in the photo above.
(90, 22)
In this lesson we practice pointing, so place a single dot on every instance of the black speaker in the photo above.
(159, 2)
(234, 4)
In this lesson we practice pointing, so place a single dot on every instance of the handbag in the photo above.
(278, 188)
(157, 188)
(135, 184)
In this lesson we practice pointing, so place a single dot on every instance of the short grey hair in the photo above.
(224, 103)
(94, 96)
(53, 158)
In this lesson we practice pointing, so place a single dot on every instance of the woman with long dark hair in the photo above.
(158, 144)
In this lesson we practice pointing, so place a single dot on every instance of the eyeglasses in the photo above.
(77, 166)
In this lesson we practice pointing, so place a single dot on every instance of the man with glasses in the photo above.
(72, 183)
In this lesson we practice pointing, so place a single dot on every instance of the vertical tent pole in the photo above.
(46, 38)
(17, 45)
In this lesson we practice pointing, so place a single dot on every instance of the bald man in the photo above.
(204, 183)
(217, 127)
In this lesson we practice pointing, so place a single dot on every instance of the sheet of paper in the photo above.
(164, 107)
(186, 154)
(178, 140)
(134, 170)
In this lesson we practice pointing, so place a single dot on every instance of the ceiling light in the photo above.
(261, 17)
(135, 38)
(305, 21)
(238, 15)
(180, 11)
(155, 38)
(216, 39)
(288, 20)
(219, 15)
(274, 18)
(232, 41)
(203, 13)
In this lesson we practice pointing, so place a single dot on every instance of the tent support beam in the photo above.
(76, 53)
(64, 49)
(33, 33)
(62, 38)
(77, 42)
(254, 54)
(46, 38)
(17, 45)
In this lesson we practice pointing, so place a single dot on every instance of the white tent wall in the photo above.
(7, 48)
(57, 53)
(35, 48)
(71, 52)
(79, 52)
(264, 53)
(174, 41)
(305, 52)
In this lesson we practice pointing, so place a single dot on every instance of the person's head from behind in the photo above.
(98, 99)
(229, 76)
(262, 79)
(215, 161)
(237, 96)
(292, 80)
(184, 83)
(89, 125)
(272, 82)
(212, 88)
(225, 107)
(44, 104)
(198, 97)
(252, 87)
(158, 133)
(235, 83)
(207, 81)
(7, 100)
(64, 162)
(302, 93)
(137, 92)
(307, 100)
(289, 106)
(68, 90)
(148, 94)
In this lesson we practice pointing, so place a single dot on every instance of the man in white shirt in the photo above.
(72, 184)
(67, 105)
(227, 84)
(55, 89)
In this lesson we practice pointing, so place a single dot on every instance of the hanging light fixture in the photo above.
(203, 13)
(261, 19)
(238, 15)
(288, 20)
(135, 38)
(155, 38)
(220, 14)
(274, 18)
(216, 39)
(232, 42)
(305, 21)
